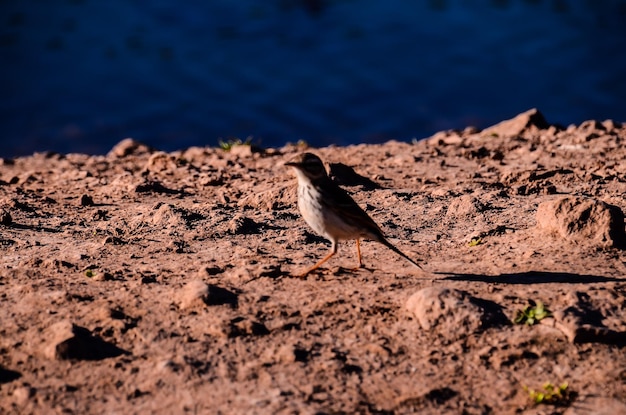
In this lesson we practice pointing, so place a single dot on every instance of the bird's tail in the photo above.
(399, 252)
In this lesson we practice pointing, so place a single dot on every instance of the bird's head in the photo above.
(309, 165)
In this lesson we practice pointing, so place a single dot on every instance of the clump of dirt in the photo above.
(150, 282)
(584, 220)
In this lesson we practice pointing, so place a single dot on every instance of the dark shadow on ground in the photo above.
(533, 277)
(7, 375)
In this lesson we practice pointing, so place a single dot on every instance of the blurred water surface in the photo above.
(80, 75)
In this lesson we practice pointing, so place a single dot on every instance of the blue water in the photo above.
(80, 75)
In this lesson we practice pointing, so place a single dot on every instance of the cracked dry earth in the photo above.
(150, 282)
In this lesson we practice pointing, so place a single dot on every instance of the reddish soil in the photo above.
(151, 282)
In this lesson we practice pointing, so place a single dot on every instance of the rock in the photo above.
(5, 217)
(128, 147)
(171, 216)
(154, 186)
(588, 319)
(102, 276)
(160, 161)
(610, 125)
(271, 270)
(198, 294)
(86, 200)
(465, 205)
(445, 138)
(239, 326)
(7, 161)
(273, 199)
(58, 264)
(242, 150)
(115, 318)
(531, 120)
(23, 394)
(583, 220)
(113, 240)
(453, 313)
(242, 326)
(166, 215)
(572, 322)
(288, 353)
(196, 154)
(67, 341)
(242, 225)
(193, 295)
(591, 126)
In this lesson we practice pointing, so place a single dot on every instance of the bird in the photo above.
(331, 212)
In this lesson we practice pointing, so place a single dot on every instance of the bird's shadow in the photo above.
(531, 277)
(347, 176)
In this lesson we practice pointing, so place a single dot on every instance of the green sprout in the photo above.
(531, 315)
(90, 273)
(475, 242)
(549, 394)
(232, 142)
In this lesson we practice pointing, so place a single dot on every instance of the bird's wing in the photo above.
(346, 207)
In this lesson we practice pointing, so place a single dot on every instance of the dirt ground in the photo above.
(150, 282)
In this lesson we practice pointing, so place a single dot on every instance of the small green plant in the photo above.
(232, 142)
(475, 242)
(532, 314)
(90, 273)
(549, 394)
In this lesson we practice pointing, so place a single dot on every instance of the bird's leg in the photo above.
(358, 254)
(333, 251)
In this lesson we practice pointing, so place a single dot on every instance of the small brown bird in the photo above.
(331, 211)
